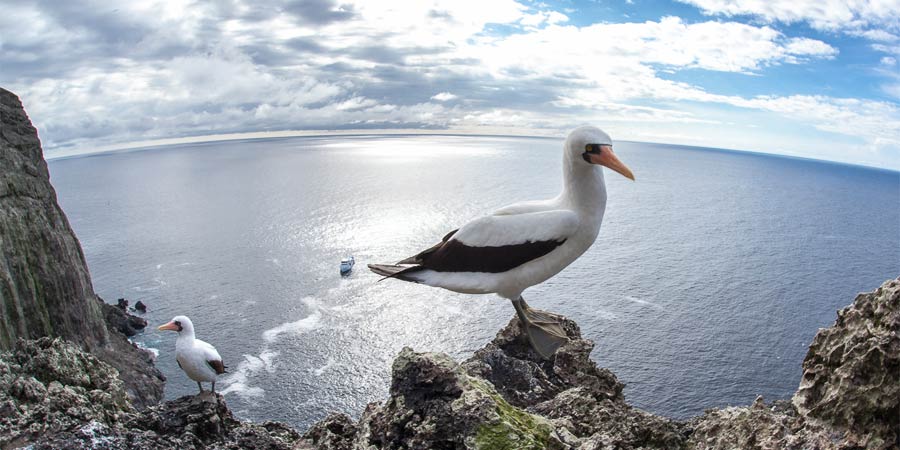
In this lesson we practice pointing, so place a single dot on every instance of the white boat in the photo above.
(347, 265)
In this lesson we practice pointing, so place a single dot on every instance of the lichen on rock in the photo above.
(851, 374)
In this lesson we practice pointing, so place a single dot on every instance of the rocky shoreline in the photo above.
(55, 395)
(69, 377)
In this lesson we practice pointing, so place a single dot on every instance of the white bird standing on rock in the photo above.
(526, 243)
(198, 359)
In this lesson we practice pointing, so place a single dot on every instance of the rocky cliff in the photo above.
(45, 286)
(53, 395)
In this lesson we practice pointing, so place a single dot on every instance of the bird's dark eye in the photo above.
(178, 324)
(592, 148)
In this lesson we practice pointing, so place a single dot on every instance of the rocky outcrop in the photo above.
(849, 394)
(45, 286)
(50, 387)
(507, 397)
(53, 395)
(120, 320)
(851, 374)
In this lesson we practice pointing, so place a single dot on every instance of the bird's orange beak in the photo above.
(607, 158)
(168, 327)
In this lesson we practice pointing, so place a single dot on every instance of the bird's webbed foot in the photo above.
(544, 329)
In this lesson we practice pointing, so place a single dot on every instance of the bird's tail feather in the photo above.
(395, 271)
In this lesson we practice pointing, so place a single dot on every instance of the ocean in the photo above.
(710, 277)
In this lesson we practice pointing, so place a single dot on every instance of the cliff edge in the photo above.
(45, 286)
(54, 395)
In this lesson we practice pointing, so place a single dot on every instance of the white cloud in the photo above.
(821, 14)
(235, 66)
(443, 97)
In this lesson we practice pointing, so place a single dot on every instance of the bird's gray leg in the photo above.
(200, 386)
(213, 387)
(544, 330)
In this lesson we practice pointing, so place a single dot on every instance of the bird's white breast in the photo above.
(192, 358)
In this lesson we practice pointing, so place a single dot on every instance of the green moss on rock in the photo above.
(515, 428)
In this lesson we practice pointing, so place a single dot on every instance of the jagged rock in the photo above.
(435, 404)
(584, 401)
(851, 374)
(118, 318)
(335, 432)
(54, 395)
(122, 304)
(49, 386)
(45, 286)
(760, 427)
(140, 307)
(525, 379)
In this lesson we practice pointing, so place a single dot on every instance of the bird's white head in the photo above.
(590, 145)
(181, 324)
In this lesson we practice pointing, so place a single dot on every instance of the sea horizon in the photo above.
(139, 146)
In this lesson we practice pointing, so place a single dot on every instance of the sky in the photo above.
(808, 78)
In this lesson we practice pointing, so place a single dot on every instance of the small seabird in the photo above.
(525, 243)
(198, 359)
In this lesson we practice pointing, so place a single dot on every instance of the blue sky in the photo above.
(809, 78)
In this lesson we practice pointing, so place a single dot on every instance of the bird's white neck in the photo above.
(185, 338)
(584, 188)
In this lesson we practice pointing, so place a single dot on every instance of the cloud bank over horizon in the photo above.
(802, 78)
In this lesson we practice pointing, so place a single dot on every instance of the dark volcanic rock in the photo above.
(50, 387)
(525, 379)
(848, 395)
(120, 320)
(335, 432)
(45, 286)
(851, 374)
(584, 401)
(53, 395)
(140, 307)
(122, 304)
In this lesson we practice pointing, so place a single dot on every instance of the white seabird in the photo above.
(525, 243)
(198, 359)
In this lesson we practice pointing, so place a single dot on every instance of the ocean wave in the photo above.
(643, 302)
(239, 381)
(142, 346)
(308, 323)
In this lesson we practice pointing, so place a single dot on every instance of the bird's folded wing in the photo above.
(211, 355)
(502, 230)
(497, 244)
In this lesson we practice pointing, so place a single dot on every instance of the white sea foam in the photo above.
(643, 302)
(321, 370)
(142, 346)
(308, 323)
(239, 381)
(159, 283)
